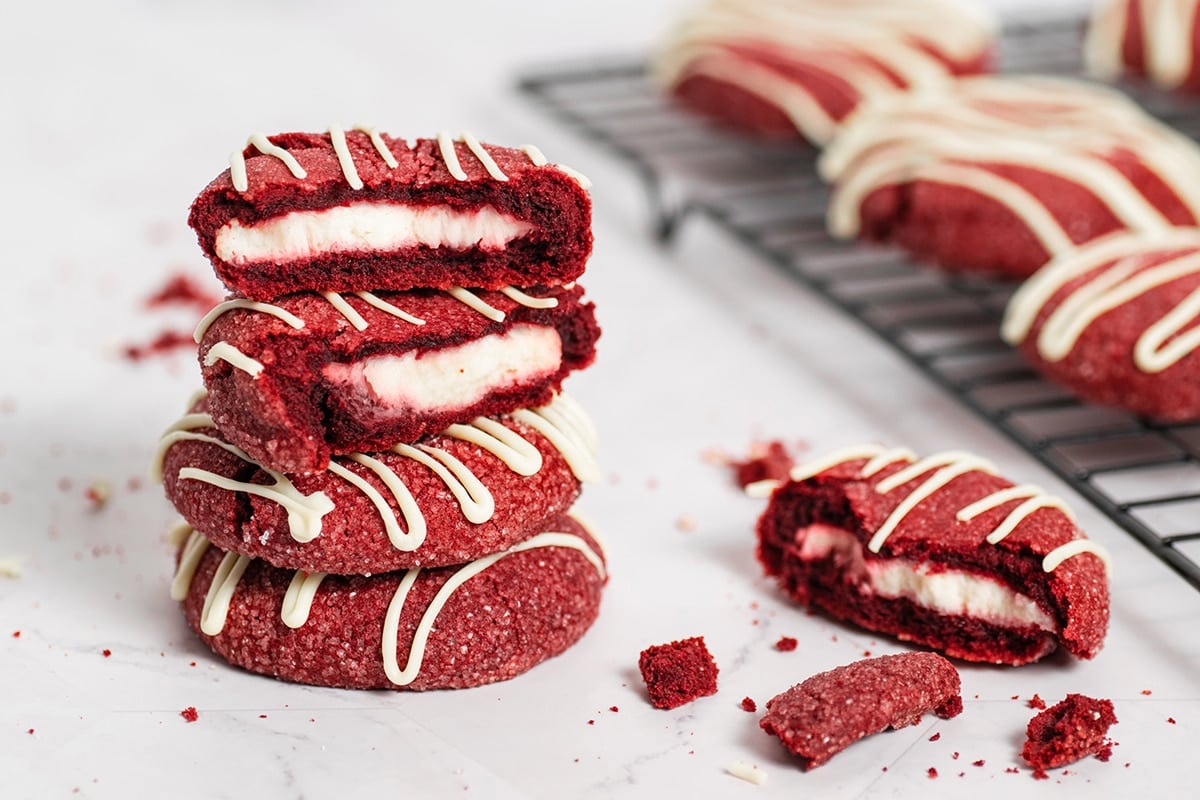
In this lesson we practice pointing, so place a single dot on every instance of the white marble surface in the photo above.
(116, 114)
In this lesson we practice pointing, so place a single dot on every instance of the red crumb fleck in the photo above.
(1171, 720)
(678, 672)
(192, 664)
(182, 290)
(933, 772)
(866, 653)
(786, 644)
(686, 523)
(31, 731)
(885, 769)
(1013, 770)
(98, 493)
(16, 634)
(962, 774)
(262, 716)
(591, 722)
(613, 709)
(767, 461)
(936, 736)
(1146, 692)
(165, 342)
(954, 755)
(190, 714)
(106, 652)
(978, 763)
(1037, 702)
(748, 704)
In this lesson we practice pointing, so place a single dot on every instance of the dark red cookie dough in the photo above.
(304, 401)
(543, 196)
(1075, 728)
(354, 533)
(678, 672)
(816, 536)
(520, 610)
(1122, 356)
(822, 716)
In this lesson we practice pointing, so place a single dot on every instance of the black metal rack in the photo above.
(767, 195)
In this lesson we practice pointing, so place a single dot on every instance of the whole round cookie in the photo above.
(1000, 174)
(1114, 321)
(310, 375)
(465, 625)
(1154, 39)
(468, 491)
(788, 68)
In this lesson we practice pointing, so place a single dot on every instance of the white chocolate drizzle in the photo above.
(964, 136)
(193, 550)
(473, 301)
(220, 592)
(346, 310)
(941, 469)
(337, 138)
(529, 301)
(388, 308)
(237, 161)
(450, 156)
(484, 157)
(298, 599)
(1167, 28)
(224, 351)
(562, 422)
(229, 305)
(1119, 275)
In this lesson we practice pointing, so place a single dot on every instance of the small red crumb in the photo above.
(1015, 697)
(885, 769)
(933, 772)
(192, 664)
(262, 716)
(165, 342)
(1037, 702)
(1171, 720)
(1012, 770)
(31, 731)
(97, 494)
(16, 634)
(786, 644)
(591, 722)
(767, 461)
(1146, 692)
(190, 714)
(576, 760)
(685, 523)
(106, 652)
(962, 774)
(613, 709)
(748, 704)
(936, 736)
(181, 290)
(954, 755)
(866, 653)
(978, 763)
(679, 672)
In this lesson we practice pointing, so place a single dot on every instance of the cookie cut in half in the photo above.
(358, 210)
(939, 551)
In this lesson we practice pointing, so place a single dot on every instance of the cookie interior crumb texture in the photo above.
(1068, 731)
(678, 672)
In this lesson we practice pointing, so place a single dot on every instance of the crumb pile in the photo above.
(377, 481)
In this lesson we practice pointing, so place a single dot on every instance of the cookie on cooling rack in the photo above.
(1151, 39)
(822, 716)
(309, 375)
(358, 210)
(1000, 174)
(1114, 321)
(940, 551)
(782, 68)
(487, 620)
(470, 490)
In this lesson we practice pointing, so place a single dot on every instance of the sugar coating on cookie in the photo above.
(464, 625)
(1075, 728)
(359, 210)
(311, 375)
(1000, 174)
(940, 551)
(783, 68)
(467, 491)
(1154, 39)
(678, 672)
(1114, 322)
(822, 716)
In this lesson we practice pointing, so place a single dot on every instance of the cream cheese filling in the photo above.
(365, 227)
(946, 591)
(452, 377)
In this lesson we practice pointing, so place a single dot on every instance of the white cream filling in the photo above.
(452, 377)
(946, 591)
(365, 227)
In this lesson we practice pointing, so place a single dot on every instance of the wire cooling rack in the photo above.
(767, 196)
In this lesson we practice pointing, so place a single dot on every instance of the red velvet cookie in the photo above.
(461, 494)
(1069, 730)
(310, 375)
(999, 175)
(1114, 321)
(782, 68)
(942, 552)
(1148, 38)
(448, 628)
(359, 211)
(822, 716)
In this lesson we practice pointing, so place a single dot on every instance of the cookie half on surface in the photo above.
(788, 68)
(470, 490)
(310, 375)
(1115, 322)
(998, 175)
(449, 628)
(940, 551)
(359, 210)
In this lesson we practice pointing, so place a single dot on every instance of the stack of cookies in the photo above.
(376, 481)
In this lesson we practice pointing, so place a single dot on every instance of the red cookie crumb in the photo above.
(1037, 702)
(827, 713)
(106, 652)
(613, 709)
(767, 461)
(1146, 692)
(748, 704)
(1068, 731)
(190, 714)
(16, 634)
(933, 773)
(978, 763)
(936, 736)
(678, 672)
(1171, 720)
(31, 731)
(786, 644)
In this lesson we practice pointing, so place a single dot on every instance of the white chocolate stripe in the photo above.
(450, 156)
(298, 600)
(229, 305)
(384, 152)
(346, 310)
(237, 161)
(1073, 548)
(473, 301)
(474, 499)
(828, 462)
(391, 624)
(561, 426)
(1167, 28)
(503, 442)
(224, 351)
(388, 308)
(304, 512)
(220, 592)
(337, 137)
(952, 465)
(529, 301)
(484, 157)
(189, 560)
(535, 156)
(414, 521)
